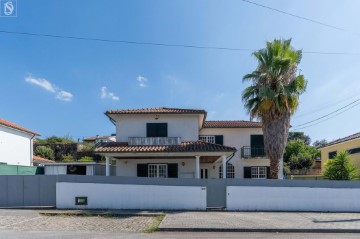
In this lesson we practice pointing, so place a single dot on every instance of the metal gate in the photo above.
(215, 194)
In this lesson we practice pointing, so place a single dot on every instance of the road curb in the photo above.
(286, 230)
(100, 213)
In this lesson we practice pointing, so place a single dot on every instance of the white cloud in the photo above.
(48, 86)
(64, 96)
(43, 83)
(142, 81)
(106, 94)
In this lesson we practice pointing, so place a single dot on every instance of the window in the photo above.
(157, 170)
(332, 154)
(208, 138)
(214, 139)
(230, 171)
(257, 145)
(156, 130)
(258, 172)
(354, 151)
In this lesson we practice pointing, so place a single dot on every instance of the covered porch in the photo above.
(194, 160)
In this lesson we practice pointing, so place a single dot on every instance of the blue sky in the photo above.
(60, 86)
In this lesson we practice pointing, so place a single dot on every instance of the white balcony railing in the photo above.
(154, 141)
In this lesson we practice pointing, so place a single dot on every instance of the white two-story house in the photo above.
(16, 144)
(180, 143)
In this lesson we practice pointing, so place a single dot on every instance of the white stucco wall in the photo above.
(128, 167)
(122, 196)
(238, 137)
(293, 199)
(15, 147)
(184, 126)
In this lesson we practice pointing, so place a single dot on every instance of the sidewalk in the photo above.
(261, 222)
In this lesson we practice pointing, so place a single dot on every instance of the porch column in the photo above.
(107, 166)
(197, 167)
(223, 158)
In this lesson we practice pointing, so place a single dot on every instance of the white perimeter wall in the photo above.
(15, 147)
(184, 126)
(238, 137)
(293, 199)
(124, 196)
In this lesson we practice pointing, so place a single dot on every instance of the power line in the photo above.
(324, 107)
(328, 113)
(327, 118)
(296, 16)
(156, 43)
(123, 41)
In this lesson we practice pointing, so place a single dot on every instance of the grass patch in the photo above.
(155, 226)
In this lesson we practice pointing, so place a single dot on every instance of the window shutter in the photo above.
(172, 170)
(142, 170)
(247, 172)
(156, 130)
(162, 130)
(150, 130)
(257, 145)
(219, 139)
(267, 172)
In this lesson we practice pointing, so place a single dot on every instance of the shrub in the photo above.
(68, 158)
(340, 168)
(45, 152)
(86, 159)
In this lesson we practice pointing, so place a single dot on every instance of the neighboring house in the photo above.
(350, 143)
(37, 160)
(180, 143)
(100, 139)
(16, 144)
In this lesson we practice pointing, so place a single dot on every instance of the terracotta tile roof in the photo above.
(342, 140)
(15, 126)
(232, 124)
(162, 110)
(190, 146)
(42, 160)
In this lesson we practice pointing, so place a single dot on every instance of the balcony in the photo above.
(133, 141)
(248, 152)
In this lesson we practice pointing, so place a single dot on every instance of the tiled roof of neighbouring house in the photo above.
(232, 124)
(162, 110)
(338, 141)
(17, 127)
(191, 146)
(42, 160)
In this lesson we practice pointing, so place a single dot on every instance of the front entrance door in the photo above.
(203, 173)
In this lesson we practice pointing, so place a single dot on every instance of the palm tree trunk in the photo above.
(276, 131)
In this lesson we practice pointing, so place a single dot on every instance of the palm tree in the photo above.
(274, 96)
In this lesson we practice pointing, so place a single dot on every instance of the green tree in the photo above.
(299, 156)
(274, 96)
(45, 152)
(340, 168)
(320, 143)
(56, 140)
(299, 136)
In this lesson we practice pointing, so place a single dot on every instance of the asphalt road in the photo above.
(92, 235)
